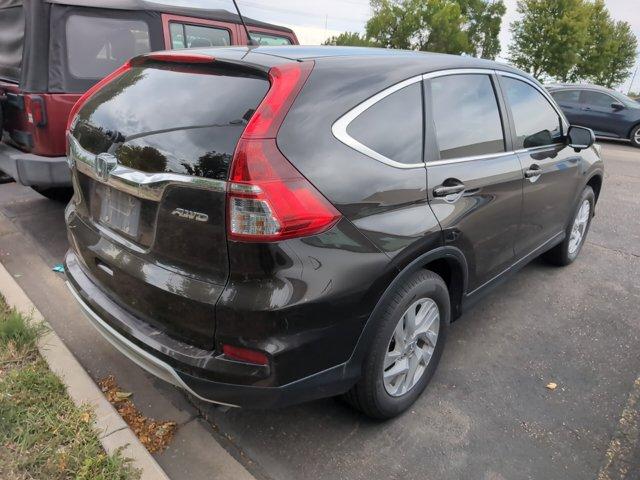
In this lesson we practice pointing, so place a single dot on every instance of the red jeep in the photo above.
(51, 51)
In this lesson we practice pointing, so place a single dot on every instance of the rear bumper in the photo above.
(34, 170)
(175, 363)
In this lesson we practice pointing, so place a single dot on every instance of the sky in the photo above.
(314, 21)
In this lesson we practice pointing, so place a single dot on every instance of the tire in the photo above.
(371, 395)
(57, 194)
(565, 253)
(635, 136)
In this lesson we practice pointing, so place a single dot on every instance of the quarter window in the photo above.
(197, 36)
(393, 126)
(97, 46)
(466, 116)
(536, 121)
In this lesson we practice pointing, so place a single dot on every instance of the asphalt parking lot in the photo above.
(486, 415)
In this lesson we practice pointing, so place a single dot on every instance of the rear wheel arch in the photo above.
(447, 262)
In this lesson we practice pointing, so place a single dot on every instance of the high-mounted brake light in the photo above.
(179, 57)
(268, 199)
(89, 93)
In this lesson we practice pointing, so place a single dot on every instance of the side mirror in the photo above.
(617, 106)
(580, 138)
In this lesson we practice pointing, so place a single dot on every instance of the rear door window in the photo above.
(97, 46)
(466, 116)
(537, 123)
(392, 127)
(184, 35)
(270, 39)
(566, 96)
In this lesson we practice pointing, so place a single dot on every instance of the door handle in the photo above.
(446, 190)
(534, 171)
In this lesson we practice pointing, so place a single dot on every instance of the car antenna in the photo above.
(249, 39)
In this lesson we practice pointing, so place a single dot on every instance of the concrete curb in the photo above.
(113, 431)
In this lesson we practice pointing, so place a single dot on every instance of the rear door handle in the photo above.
(444, 191)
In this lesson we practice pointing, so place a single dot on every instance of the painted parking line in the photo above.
(623, 454)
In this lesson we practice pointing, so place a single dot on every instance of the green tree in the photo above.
(349, 39)
(549, 36)
(485, 21)
(447, 26)
(610, 52)
(622, 58)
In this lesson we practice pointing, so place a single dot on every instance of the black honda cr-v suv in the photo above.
(266, 226)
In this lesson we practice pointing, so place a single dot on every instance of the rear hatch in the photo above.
(152, 150)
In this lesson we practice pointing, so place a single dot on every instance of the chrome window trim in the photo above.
(447, 161)
(148, 186)
(458, 71)
(339, 127)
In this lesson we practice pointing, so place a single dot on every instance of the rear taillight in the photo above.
(89, 93)
(36, 112)
(267, 198)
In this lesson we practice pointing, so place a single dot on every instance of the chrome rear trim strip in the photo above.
(149, 186)
(137, 355)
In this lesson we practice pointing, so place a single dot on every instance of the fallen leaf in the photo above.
(120, 395)
(551, 386)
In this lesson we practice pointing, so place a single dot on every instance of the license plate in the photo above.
(119, 211)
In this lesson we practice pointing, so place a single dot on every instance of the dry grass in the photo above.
(43, 435)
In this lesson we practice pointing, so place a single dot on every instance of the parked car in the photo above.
(52, 51)
(608, 113)
(267, 226)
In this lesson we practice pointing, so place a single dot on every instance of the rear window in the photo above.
(197, 36)
(572, 96)
(269, 39)
(174, 118)
(97, 46)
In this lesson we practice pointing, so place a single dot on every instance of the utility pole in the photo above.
(633, 79)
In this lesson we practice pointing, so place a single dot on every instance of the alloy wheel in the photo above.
(579, 228)
(411, 347)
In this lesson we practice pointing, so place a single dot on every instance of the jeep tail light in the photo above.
(89, 93)
(267, 198)
(245, 355)
(36, 111)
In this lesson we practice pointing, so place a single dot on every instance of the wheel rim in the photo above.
(579, 227)
(411, 347)
(636, 137)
